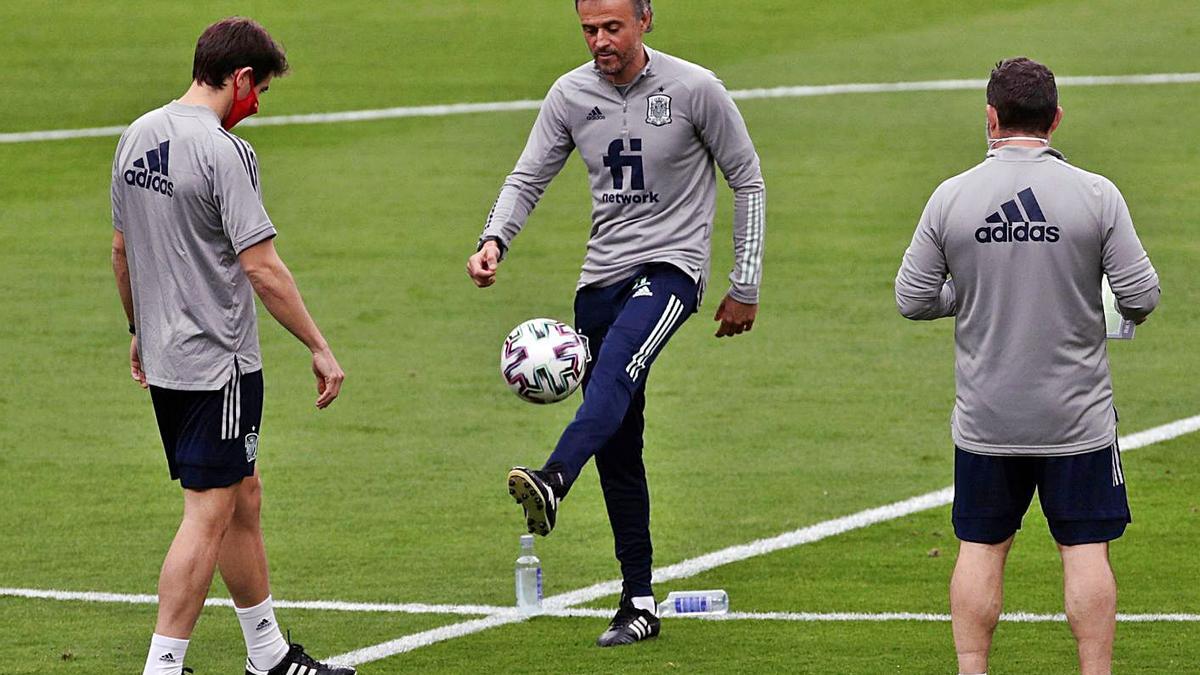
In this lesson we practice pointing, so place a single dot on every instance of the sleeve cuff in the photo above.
(747, 295)
(499, 242)
(256, 237)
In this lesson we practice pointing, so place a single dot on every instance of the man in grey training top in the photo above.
(1016, 249)
(192, 244)
(648, 127)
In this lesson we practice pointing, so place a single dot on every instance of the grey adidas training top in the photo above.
(649, 150)
(1026, 238)
(185, 194)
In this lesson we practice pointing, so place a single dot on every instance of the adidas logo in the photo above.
(1009, 224)
(167, 658)
(595, 115)
(263, 625)
(150, 172)
(642, 289)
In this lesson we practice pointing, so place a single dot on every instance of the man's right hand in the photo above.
(329, 377)
(481, 267)
(135, 364)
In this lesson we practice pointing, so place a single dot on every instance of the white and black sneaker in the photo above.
(535, 494)
(297, 662)
(630, 625)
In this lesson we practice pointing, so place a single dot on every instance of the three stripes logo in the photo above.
(246, 154)
(1009, 224)
(231, 410)
(640, 628)
(1118, 472)
(150, 172)
(658, 337)
(167, 658)
(595, 115)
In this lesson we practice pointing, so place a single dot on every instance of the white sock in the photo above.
(166, 656)
(265, 646)
(645, 602)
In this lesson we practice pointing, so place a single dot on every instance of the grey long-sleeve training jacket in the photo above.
(649, 149)
(1025, 239)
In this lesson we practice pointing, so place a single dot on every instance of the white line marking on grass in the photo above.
(1011, 617)
(507, 106)
(704, 563)
(321, 605)
(825, 617)
(425, 638)
(506, 613)
(804, 535)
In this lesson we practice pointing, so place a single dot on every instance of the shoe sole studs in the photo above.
(525, 494)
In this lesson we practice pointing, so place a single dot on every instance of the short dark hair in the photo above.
(234, 43)
(1024, 95)
(640, 8)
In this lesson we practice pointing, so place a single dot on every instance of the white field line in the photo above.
(506, 106)
(694, 566)
(320, 605)
(824, 617)
(499, 612)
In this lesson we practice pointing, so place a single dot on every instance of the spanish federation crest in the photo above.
(658, 110)
(251, 447)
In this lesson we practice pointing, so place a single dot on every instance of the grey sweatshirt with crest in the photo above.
(649, 150)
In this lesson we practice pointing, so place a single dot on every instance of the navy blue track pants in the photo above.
(627, 325)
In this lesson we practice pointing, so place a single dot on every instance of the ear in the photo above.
(243, 82)
(1057, 120)
(993, 120)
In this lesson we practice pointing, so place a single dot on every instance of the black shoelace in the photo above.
(624, 617)
(304, 659)
(298, 655)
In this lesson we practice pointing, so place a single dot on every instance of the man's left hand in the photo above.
(735, 317)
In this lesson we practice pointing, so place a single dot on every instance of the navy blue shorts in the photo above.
(211, 437)
(1083, 496)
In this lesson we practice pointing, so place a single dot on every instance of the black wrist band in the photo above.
(131, 330)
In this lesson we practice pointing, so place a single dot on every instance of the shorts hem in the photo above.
(208, 478)
(986, 530)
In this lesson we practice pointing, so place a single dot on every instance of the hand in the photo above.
(329, 377)
(735, 317)
(135, 364)
(481, 267)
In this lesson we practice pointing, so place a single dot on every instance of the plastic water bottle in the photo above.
(694, 602)
(529, 578)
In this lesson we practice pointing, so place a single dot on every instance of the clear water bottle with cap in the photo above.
(694, 602)
(529, 578)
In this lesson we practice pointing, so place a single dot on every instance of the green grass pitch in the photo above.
(832, 405)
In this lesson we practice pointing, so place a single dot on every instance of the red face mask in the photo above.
(241, 108)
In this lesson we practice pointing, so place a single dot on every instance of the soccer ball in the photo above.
(543, 360)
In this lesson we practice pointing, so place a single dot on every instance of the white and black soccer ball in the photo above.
(543, 360)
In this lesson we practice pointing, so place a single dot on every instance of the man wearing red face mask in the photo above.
(192, 245)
